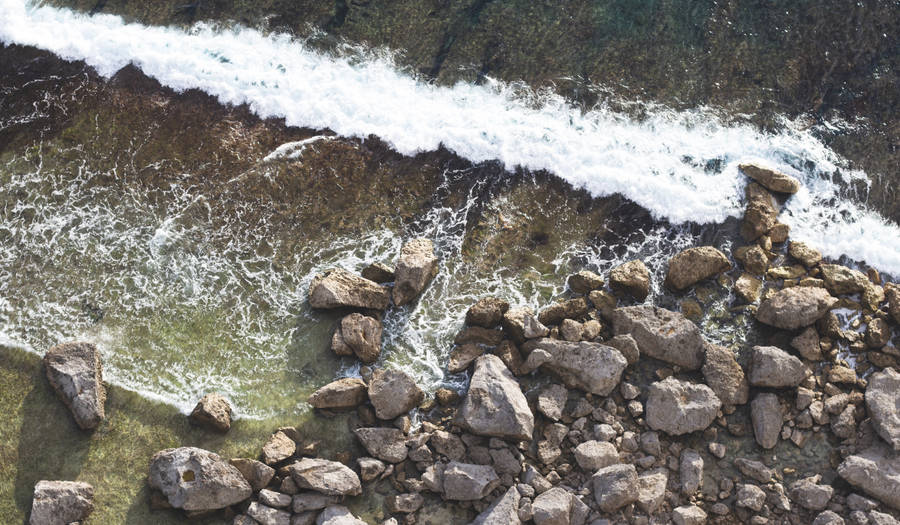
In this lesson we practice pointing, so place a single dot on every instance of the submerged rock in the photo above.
(340, 288)
(876, 471)
(495, 405)
(345, 393)
(662, 334)
(393, 393)
(725, 376)
(592, 367)
(358, 334)
(883, 402)
(417, 266)
(771, 179)
(678, 407)
(76, 374)
(326, 477)
(631, 278)
(467, 482)
(194, 479)
(772, 367)
(214, 411)
(61, 502)
(694, 265)
(795, 307)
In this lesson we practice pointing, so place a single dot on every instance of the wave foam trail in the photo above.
(681, 166)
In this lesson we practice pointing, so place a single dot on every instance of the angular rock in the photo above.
(214, 411)
(767, 417)
(278, 448)
(754, 259)
(725, 376)
(487, 312)
(807, 344)
(802, 252)
(631, 278)
(76, 374)
(553, 507)
(513, 323)
(338, 515)
(772, 367)
(327, 477)
(662, 334)
(495, 405)
(748, 287)
(462, 356)
(571, 309)
(345, 393)
(760, 215)
(754, 469)
(750, 497)
(393, 393)
(340, 288)
(417, 266)
(194, 479)
(693, 265)
(361, 335)
(552, 400)
(652, 489)
(771, 179)
(615, 486)
(585, 282)
(266, 515)
(534, 329)
(370, 468)
(467, 482)
(690, 471)
(878, 333)
(61, 502)
(387, 444)
(503, 511)
(274, 499)
(810, 495)
(594, 455)
(627, 346)
(571, 330)
(842, 280)
(378, 273)
(257, 473)
(828, 517)
(678, 407)
(479, 336)
(592, 367)
(307, 501)
(405, 503)
(883, 403)
(688, 515)
(795, 307)
(876, 471)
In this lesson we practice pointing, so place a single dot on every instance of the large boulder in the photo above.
(631, 278)
(772, 367)
(76, 374)
(883, 402)
(467, 482)
(388, 444)
(725, 376)
(326, 477)
(503, 511)
(760, 215)
(417, 266)
(615, 486)
(345, 393)
(795, 307)
(662, 334)
(678, 407)
(358, 334)
(61, 502)
(340, 288)
(842, 280)
(194, 479)
(592, 367)
(876, 471)
(213, 411)
(495, 405)
(393, 393)
(694, 265)
(771, 179)
(767, 417)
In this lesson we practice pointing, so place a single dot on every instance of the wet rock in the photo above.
(479, 336)
(828, 518)
(487, 312)
(585, 282)
(378, 273)
(690, 471)
(876, 471)
(773, 367)
(338, 515)
(370, 468)
(810, 495)
(257, 473)
(194, 479)
(631, 278)
(513, 323)
(725, 376)
(878, 333)
(327, 477)
(750, 497)
(652, 489)
(592, 367)
(214, 411)
(503, 511)
(760, 214)
(462, 356)
(553, 507)
(361, 335)
(694, 265)
(594, 455)
(345, 393)
(842, 280)
(780, 233)
(61, 502)
(76, 374)
(340, 288)
(754, 259)
(467, 482)
(807, 344)
(771, 179)
(802, 252)
(393, 393)
(495, 405)
(662, 334)
(883, 403)
(678, 407)
(688, 515)
(416, 268)
(892, 293)
(266, 515)
(767, 417)
(552, 400)
(627, 346)
(405, 503)
(615, 486)
(571, 309)
(278, 448)
(748, 287)
(387, 444)
(446, 396)
(795, 307)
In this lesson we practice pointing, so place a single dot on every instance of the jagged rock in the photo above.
(585, 282)
(878, 333)
(795, 307)
(842, 280)
(340, 288)
(552, 400)
(61, 502)
(553, 507)
(748, 287)
(213, 410)
(76, 374)
(378, 273)
(772, 367)
(571, 330)
(448, 445)
(828, 518)
(678, 407)
(513, 323)
(892, 293)
(810, 495)
(479, 336)
(307, 501)
(503, 511)
(754, 259)
(405, 503)
(688, 515)
(446, 396)
(467, 482)
(462, 356)
(693, 265)
(370, 468)
(767, 417)
(592, 367)
(266, 515)
(257, 473)
(327, 477)
(690, 471)
(750, 497)
(278, 448)
(615, 486)
(880, 518)
(393, 393)
(487, 312)
(388, 444)
(338, 515)
(571, 309)
(594, 455)
(358, 334)
(627, 346)
(652, 489)
(771, 179)
(807, 344)
(883, 403)
(534, 329)
(760, 215)
(345, 393)
(631, 278)
(417, 266)
(194, 479)
(754, 470)
(725, 376)
(495, 405)
(808, 256)
(662, 334)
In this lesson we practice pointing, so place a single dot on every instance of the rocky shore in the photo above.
(594, 409)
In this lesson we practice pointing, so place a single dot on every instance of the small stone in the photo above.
(266, 515)
(750, 497)
(748, 288)
(828, 518)
(725, 376)
(495, 405)
(717, 450)
(552, 400)
(327, 477)
(690, 472)
(767, 416)
(370, 468)
(405, 503)
(652, 489)
(467, 482)
(807, 344)
(678, 407)
(810, 495)
(688, 515)
(594, 455)
(803, 253)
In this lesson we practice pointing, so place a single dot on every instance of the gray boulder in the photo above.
(725, 376)
(553, 507)
(61, 502)
(662, 334)
(767, 418)
(772, 367)
(652, 489)
(76, 374)
(495, 405)
(338, 515)
(693, 265)
(327, 477)
(615, 486)
(795, 307)
(875, 471)
(592, 367)
(503, 511)
(194, 479)
(688, 515)
(393, 393)
(552, 400)
(345, 393)
(678, 407)
(467, 482)
(307, 501)
(340, 289)
(810, 495)
(594, 455)
(883, 402)
(265, 515)
(417, 266)
(387, 444)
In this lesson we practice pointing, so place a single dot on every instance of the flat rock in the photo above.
(487, 312)
(615, 486)
(341, 289)
(662, 334)
(61, 502)
(307, 501)
(678, 407)
(795, 307)
(467, 482)
(416, 268)
(883, 403)
(387, 444)
(495, 405)
(213, 411)
(631, 278)
(326, 477)
(257, 473)
(503, 511)
(772, 367)
(76, 374)
(194, 479)
(592, 367)
(771, 179)
(767, 417)
(393, 393)
(725, 376)
(693, 265)
(345, 393)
